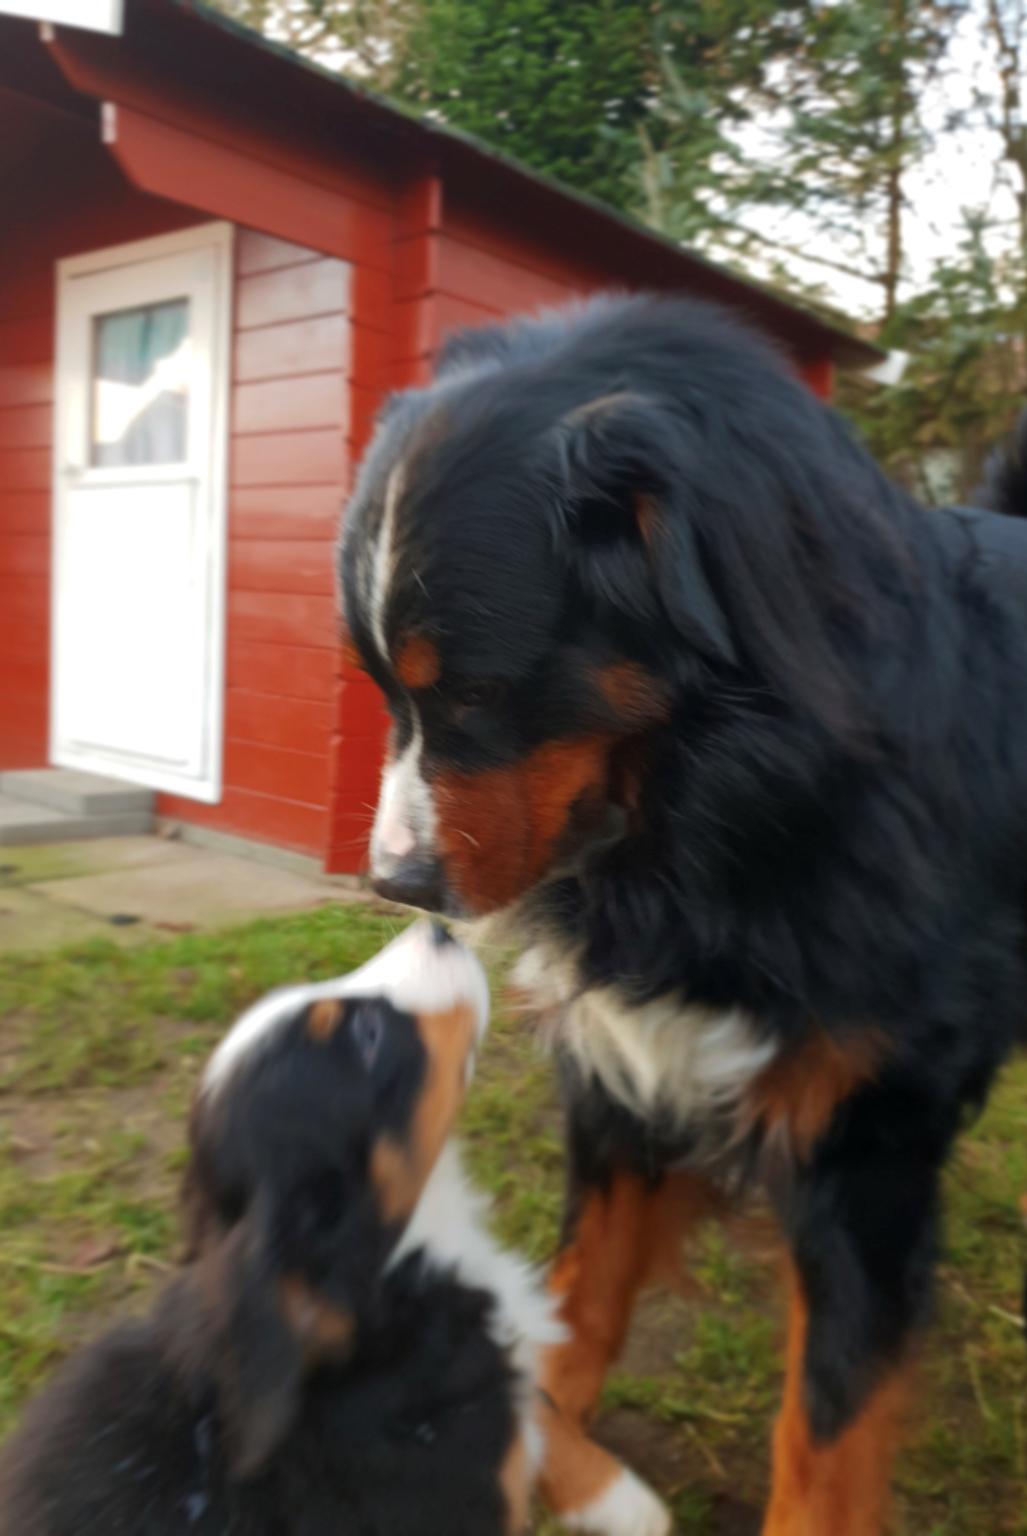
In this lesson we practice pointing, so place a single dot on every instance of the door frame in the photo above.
(219, 238)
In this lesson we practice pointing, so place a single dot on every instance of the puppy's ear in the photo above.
(634, 545)
(258, 1359)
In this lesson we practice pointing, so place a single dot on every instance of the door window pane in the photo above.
(140, 395)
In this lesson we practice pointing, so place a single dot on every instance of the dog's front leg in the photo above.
(861, 1217)
(621, 1225)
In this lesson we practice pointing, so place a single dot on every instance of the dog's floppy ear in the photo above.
(258, 1358)
(634, 549)
(224, 1329)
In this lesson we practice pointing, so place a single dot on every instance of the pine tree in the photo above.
(560, 87)
(789, 131)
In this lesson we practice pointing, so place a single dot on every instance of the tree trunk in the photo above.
(894, 252)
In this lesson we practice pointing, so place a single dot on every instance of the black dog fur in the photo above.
(830, 824)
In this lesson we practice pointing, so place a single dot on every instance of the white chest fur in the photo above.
(449, 1226)
(665, 1060)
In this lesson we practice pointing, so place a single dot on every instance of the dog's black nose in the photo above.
(440, 934)
(414, 883)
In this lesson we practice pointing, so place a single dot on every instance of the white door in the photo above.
(141, 432)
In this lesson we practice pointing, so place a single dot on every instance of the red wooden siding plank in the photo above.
(26, 340)
(282, 565)
(25, 383)
(292, 293)
(27, 670)
(357, 772)
(289, 458)
(26, 426)
(257, 252)
(26, 637)
(297, 672)
(283, 618)
(289, 775)
(282, 405)
(484, 229)
(281, 512)
(501, 282)
(295, 347)
(372, 297)
(362, 711)
(24, 511)
(24, 554)
(277, 721)
(24, 599)
(416, 266)
(374, 358)
(25, 469)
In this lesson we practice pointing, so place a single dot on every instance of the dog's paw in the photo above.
(628, 1507)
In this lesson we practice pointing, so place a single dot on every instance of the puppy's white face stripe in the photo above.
(383, 562)
(413, 973)
(405, 819)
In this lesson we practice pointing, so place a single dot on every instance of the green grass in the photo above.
(100, 1049)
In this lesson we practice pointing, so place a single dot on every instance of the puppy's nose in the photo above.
(440, 934)
(414, 882)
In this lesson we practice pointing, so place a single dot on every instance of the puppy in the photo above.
(345, 1349)
(729, 735)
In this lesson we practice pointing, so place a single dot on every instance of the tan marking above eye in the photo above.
(637, 697)
(418, 664)
(323, 1329)
(324, 1018)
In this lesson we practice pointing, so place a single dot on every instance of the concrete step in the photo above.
(76, 793)
(23, 822)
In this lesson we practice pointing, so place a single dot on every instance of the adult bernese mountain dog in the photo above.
(345, 1349)
(730, 735)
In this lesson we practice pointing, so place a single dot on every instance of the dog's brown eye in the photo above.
(479, 693)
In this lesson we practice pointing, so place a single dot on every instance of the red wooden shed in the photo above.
(215, 257)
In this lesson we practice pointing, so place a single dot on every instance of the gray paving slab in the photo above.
(28, 921)
(76, 793)
(201, 890)
(29, 865)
